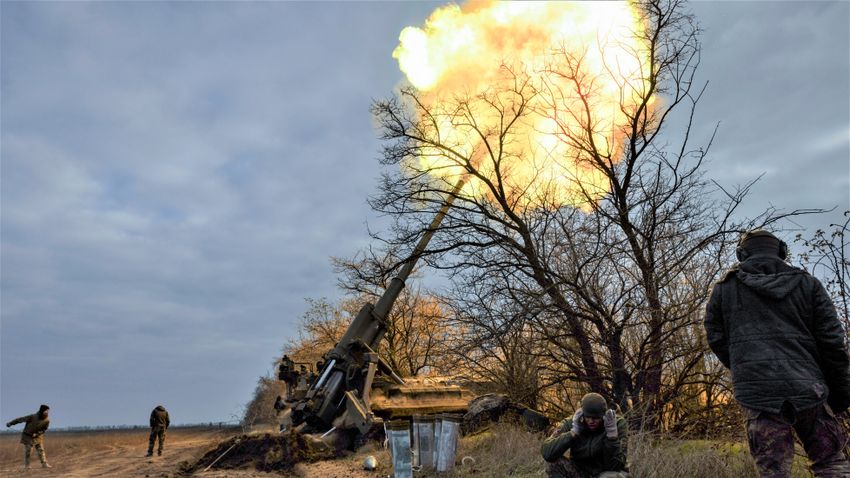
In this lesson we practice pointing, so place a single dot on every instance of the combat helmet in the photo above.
(593, 405)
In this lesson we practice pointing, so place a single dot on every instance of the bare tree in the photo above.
(827, 255)
(261, 407)
(493, 338)
(415, 341)
(321, 327)
(617, 269)
(416, 327)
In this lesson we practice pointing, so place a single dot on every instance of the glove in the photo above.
(610, 421)
(9, 425)
(577, 422)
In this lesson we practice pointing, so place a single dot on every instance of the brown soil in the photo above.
(122, 454)
(266, 452)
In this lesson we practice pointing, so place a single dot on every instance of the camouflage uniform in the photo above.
(33, 436)
(776, 329)
(159, 424)
(286, 372)
(771, 440)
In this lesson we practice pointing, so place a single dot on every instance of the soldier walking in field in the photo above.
(776, 329)
(33, 434)
(596, 440)
(159, 424)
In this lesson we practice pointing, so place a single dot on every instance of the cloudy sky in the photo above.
(176, 175)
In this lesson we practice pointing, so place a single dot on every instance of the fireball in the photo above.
(583, 68)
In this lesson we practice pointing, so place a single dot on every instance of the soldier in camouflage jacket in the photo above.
(159, 422)
(33, 434)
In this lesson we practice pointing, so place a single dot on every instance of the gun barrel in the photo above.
(368, 327)
(385, 304)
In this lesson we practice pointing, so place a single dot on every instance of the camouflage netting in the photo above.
(262, 452)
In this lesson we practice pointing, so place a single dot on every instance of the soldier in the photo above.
(286, 366)
(596, 439)
(286, 372)
(159, 424)
(279, 404)
(775, 328)
(33, 434)
(303, 377)
(280, 409)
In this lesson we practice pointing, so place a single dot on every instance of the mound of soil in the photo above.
(262, 452)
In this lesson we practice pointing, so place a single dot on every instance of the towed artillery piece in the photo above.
(356, 387)
(297, 380)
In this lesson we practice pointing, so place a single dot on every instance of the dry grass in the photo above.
(59, 444)
(506, 450)
(650, 457)
(502, 451)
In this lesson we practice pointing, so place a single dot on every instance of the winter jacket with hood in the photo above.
(776, 329)
(159, 418)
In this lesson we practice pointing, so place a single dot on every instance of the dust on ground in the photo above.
(121, 453)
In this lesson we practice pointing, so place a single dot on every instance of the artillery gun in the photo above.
(345, 394)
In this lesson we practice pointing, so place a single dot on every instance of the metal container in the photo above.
(447, 444)
(423, 441)
(398, 437)
(438, 425)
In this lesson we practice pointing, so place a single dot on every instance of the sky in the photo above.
(175, 176)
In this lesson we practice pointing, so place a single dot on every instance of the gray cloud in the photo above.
(780, 86)
(175, 176)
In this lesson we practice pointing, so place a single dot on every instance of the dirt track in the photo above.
(122, 454)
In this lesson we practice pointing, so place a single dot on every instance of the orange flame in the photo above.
(463, 53)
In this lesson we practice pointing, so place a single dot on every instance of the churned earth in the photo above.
(121, 453)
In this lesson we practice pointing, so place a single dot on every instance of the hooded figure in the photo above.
(159, 424)
(596, 440)
(33, 434)
(775, 328)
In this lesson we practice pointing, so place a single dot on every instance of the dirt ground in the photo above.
(121, 453)
(500, 451)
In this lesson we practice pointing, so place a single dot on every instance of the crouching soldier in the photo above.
(596, 440)
(33, 434)
(159, 424)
